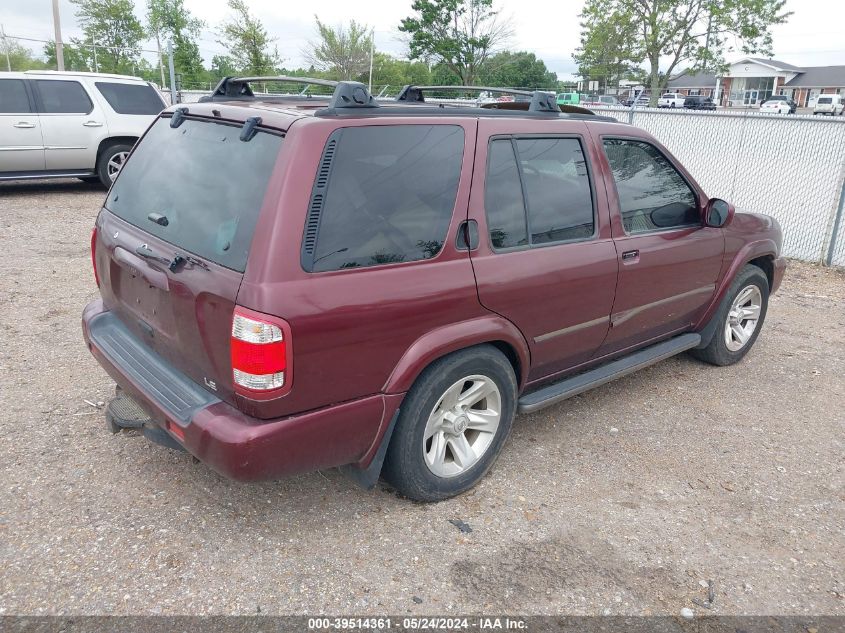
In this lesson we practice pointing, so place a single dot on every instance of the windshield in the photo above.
(198, 187)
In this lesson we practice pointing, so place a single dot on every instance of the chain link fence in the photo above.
(790, 167)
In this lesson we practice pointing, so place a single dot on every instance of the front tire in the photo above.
(452, 425)
(111, 161)
(739, 319)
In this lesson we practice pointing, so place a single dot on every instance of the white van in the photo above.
(829, 104)
(71, 125)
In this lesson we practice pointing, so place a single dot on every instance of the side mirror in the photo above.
(718, 213)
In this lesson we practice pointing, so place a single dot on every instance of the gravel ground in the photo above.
(625, 500)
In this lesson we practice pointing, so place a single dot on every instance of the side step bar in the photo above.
(580, 383)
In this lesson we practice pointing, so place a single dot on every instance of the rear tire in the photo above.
(452, 425)
(110, 161)
(736, 326)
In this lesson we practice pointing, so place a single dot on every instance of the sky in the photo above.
(549, 30)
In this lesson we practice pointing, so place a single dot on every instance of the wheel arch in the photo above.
(492, 330)
(114, 140)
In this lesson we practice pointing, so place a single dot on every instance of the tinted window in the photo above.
(652, 194)
(13, 99)
(825, 100)
(390, 195)
(64, 97)
(557, 189)
(503, 197)
(207, 183)
(131, 98)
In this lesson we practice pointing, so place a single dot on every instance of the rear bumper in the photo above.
(234, 444)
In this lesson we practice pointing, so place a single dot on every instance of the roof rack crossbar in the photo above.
(240, 88)
(541, 101)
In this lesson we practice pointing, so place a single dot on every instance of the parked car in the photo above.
(71, 125)
(671, 100)
(568, 98)
(829, 104)
(781, 104)
(699, 103)
(383, 287)
(641, 101)
(602, 100)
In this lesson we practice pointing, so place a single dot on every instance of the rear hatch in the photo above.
(174, 237)
(824, 104)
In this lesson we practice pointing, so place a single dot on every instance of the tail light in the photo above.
(94, 255)
(259, 351)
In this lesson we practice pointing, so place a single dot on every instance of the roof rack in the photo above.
(541, 101)
(238, 88)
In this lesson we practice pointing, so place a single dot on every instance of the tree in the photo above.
(608, 49)
(111, 27)
(517, 70)
(248, 42)
(169, 19)
(20, 57)
(395, 73)
(342, 52)
(74, 57)
(459, 34)
(694, 32)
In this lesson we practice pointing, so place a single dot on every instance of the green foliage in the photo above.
(171, 20)
(609, 46)
(517, 70)
(117, 33)
(248, 42)
(459, 34)
(696, 33)
(19, 56)
(342, 52)
(74, 57)
(395, 73)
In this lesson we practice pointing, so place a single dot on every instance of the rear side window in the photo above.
(652, 194)
(384, 194)
(206, 182)
(131, 98)
(64, 97)
(13, 98)
(537, 191)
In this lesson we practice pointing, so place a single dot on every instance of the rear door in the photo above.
(73, 124)
(21, 145)
(174, 238)
(669, 261)
(546, 260)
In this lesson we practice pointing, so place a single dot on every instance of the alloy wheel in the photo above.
(743, 317)
(462, 426)
(115, 163)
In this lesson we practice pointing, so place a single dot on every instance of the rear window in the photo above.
(206, 182)
(389, 197)
(64, 97)
(131, 98)
(825, 100)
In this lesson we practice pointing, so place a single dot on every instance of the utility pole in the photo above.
(172, 73)
(372, 53)
(6, 48)
(60, 54)
(160, 59)
(96, 65)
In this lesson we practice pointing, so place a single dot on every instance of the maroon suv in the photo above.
(295, 285)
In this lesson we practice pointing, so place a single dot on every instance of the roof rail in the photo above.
(238, 88)
(541, 101)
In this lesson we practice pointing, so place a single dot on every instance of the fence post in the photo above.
(837, 221)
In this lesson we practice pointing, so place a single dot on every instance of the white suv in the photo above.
(63, 125)
(671, 100)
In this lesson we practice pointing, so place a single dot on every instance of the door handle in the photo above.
(24, 124)
(630, 257)
(92, 124)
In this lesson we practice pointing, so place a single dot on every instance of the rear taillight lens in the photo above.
(94, 255)
(259, 353)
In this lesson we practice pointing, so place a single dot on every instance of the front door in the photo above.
(546, 260)
(73, 124)
(669, 261)
(21, 146)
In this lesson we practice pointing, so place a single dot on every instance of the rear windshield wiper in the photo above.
(147, 253)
